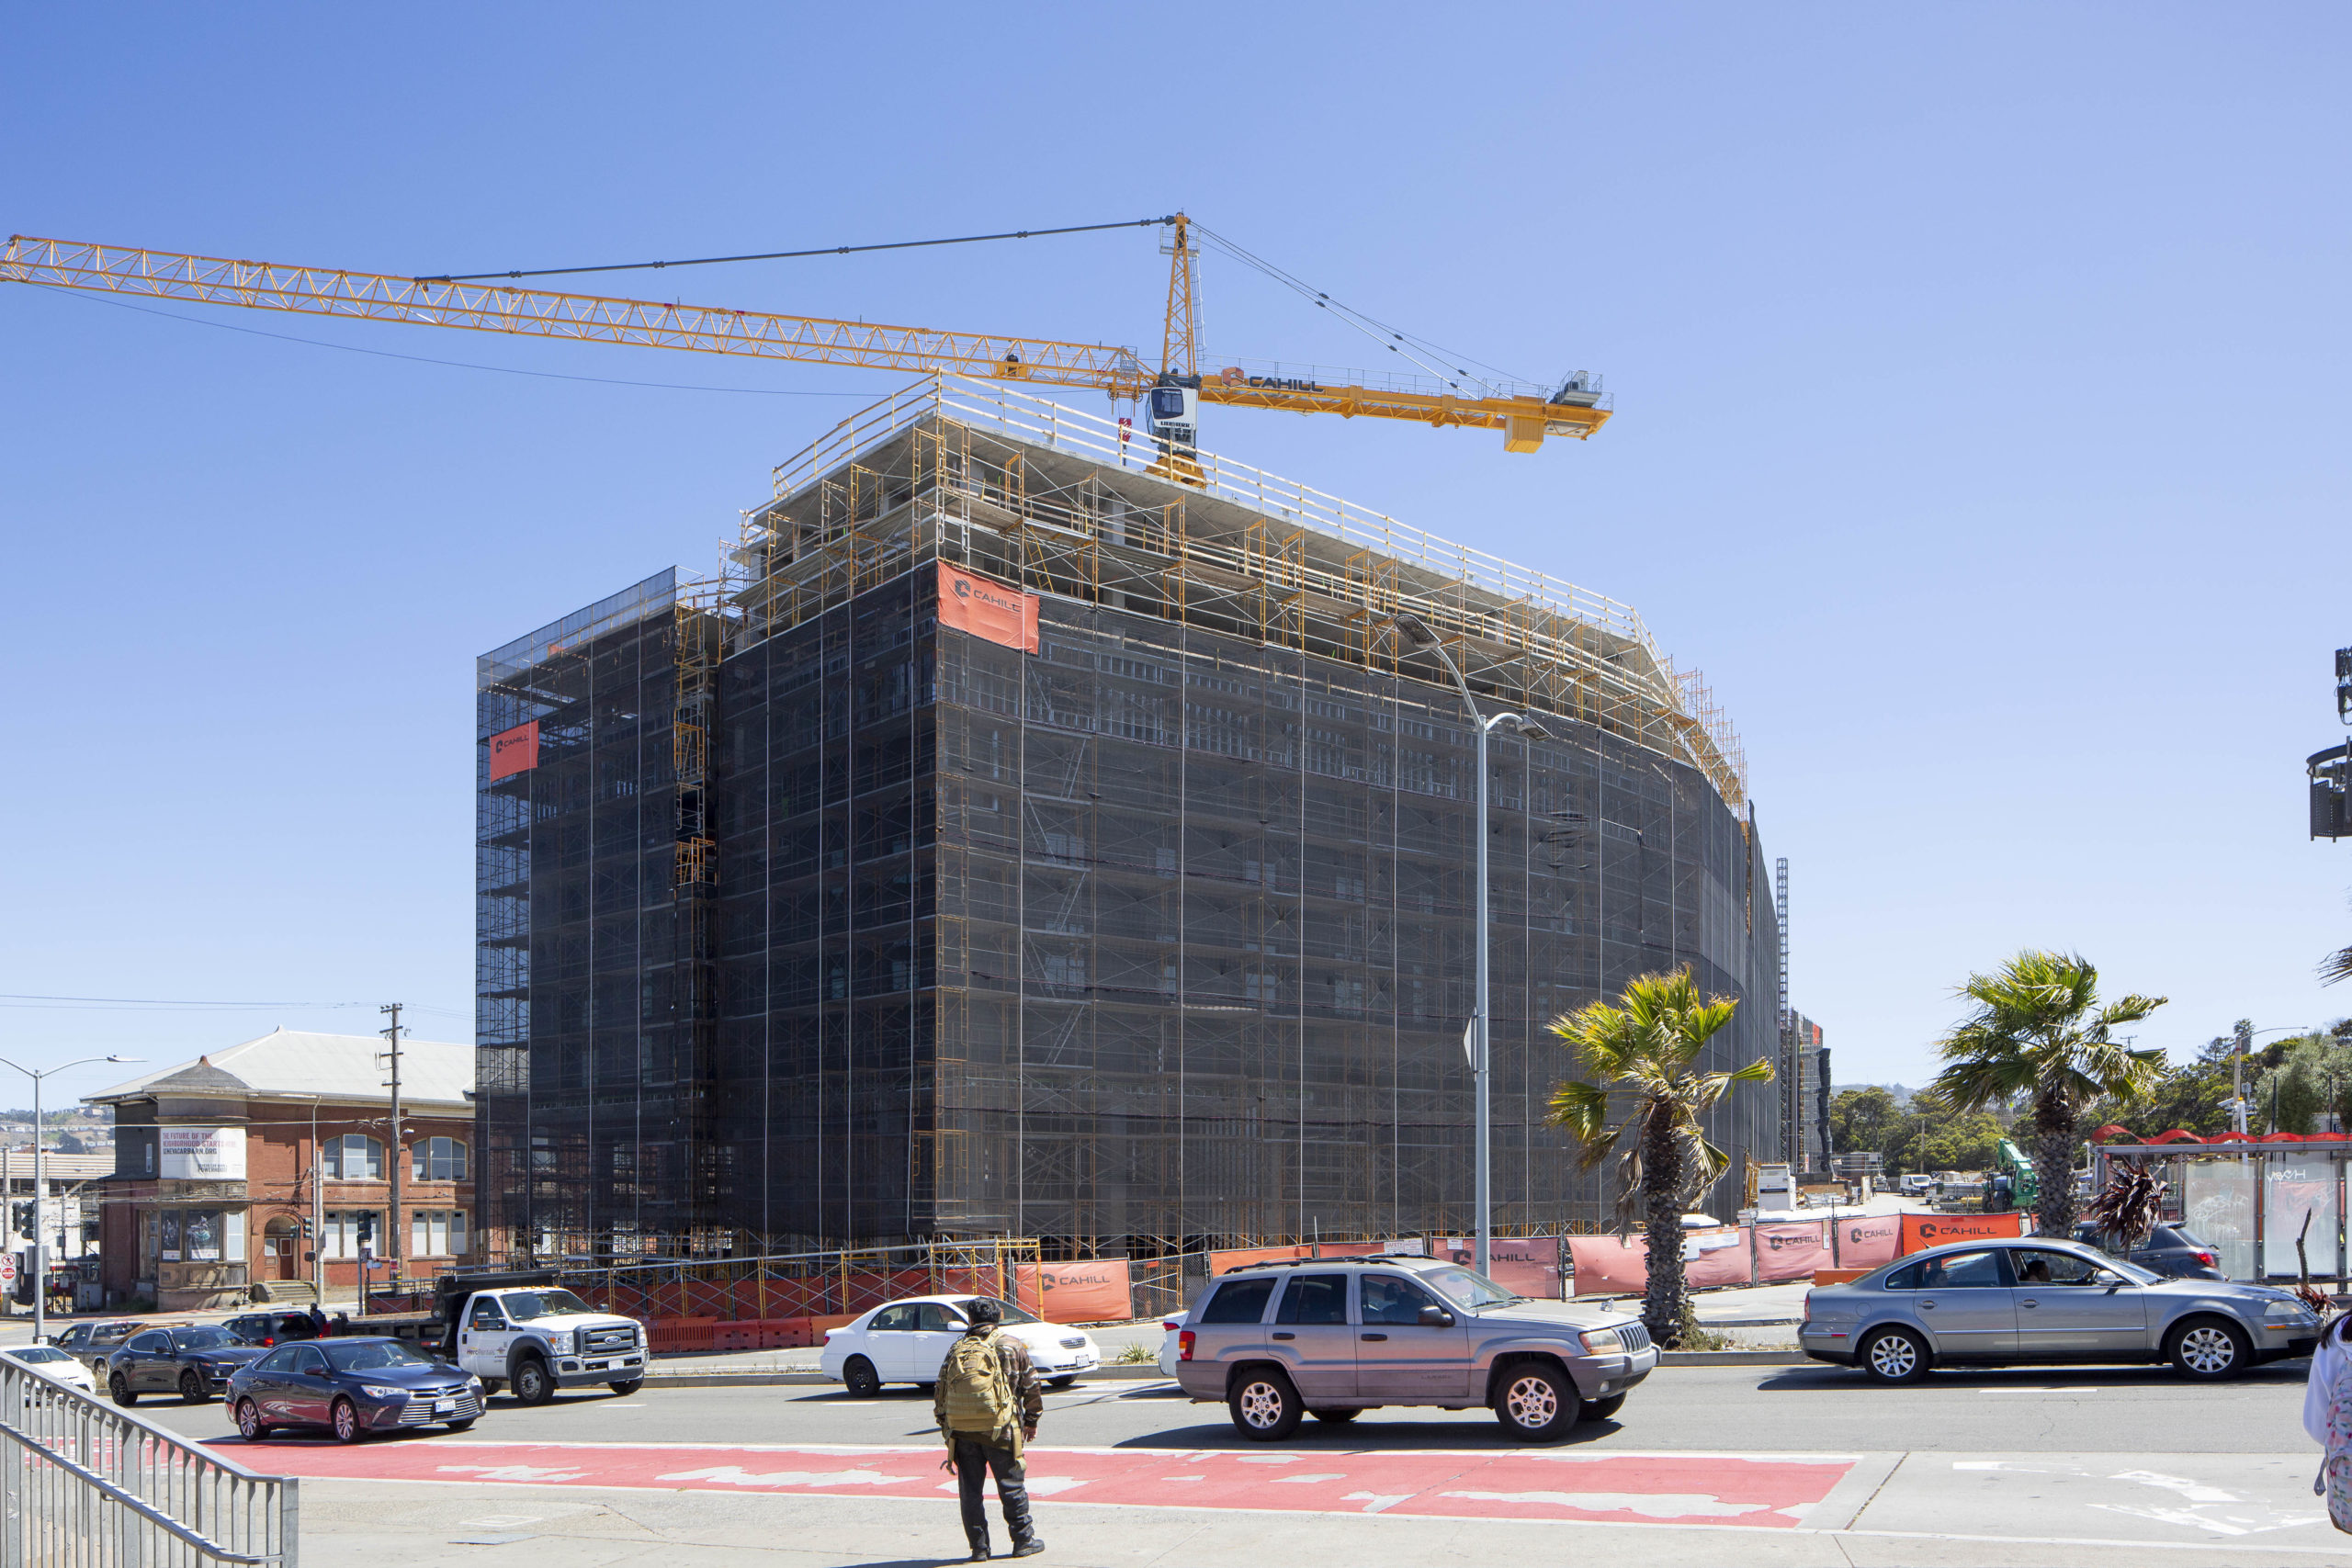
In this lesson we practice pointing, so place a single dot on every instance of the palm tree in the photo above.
(1642, 1088)
(2039, 1029)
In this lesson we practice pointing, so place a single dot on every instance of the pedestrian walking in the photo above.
(318, 1322)
(2327, 1416)
(986, 1402)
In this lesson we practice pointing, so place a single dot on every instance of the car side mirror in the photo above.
(1436, 1317)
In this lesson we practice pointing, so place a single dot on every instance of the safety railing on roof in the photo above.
(1044, 422)
(84, 1484)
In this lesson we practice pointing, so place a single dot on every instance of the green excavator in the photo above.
(2025, 1187)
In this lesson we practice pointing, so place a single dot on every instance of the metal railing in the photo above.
(83, 1485)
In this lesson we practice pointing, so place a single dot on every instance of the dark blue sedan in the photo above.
(352, 1387)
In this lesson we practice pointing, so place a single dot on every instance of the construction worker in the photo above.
(986, 1402)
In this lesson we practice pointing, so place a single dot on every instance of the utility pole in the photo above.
(2245, 1042)
(395, 1150)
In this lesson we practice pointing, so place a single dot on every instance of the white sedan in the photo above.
(906, 1341)
(53, 1364)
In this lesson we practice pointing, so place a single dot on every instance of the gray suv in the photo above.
(2046, 1300)
(1276, 1341)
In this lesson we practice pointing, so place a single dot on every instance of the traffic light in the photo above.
(20, 1218)
(306, 1227)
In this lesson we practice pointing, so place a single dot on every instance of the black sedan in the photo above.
(2168, 1249)
(196, 1360)
(352, 1387)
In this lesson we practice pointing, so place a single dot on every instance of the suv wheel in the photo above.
(1265, 1407)
(2208, 1349)
(1894, 1355)
(192, 1389)
(1535, 1402)
(120, 1389)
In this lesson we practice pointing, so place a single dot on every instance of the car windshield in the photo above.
(1466, 1287)
(371, 1355)
(35, 1353)
(524, 1306)
(201, 1338)
(1012, 1314)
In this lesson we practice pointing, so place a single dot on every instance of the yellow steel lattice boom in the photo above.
(757, 335)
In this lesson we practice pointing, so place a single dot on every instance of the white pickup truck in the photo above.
(526, 1330)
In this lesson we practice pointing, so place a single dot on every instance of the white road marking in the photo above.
(1649, 1504)
(515, 1471)
(2084, 1388)
(1377, 1502)
(736, 1475)
(1303, 1480)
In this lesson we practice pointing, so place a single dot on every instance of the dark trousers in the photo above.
(973, 1461)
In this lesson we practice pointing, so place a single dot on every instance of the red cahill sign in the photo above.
(1934, 1230)
(986, 609)
(513, 750)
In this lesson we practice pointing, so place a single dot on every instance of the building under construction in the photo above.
(1030, 833)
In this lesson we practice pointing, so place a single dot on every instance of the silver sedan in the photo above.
(1986, 1303)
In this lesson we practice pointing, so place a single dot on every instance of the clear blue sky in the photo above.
(1979, 375)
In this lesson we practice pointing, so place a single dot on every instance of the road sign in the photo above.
(7, 1268)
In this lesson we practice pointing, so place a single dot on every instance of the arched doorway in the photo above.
(281, 1248)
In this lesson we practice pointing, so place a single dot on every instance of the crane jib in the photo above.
(708, 329)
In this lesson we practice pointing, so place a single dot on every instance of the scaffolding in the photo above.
(819, 928)
(1059, 501)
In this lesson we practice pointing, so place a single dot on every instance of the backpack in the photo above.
(978, 1395)
(2335, 1479)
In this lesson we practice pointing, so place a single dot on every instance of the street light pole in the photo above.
(1481, 1030)
(2245, 1042)
(41, 1189)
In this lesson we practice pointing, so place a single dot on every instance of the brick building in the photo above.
(220, 1161)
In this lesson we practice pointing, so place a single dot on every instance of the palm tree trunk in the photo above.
(1662, 1201)
(2053, 1164)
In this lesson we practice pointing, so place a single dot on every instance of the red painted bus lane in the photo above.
(1680, 1488)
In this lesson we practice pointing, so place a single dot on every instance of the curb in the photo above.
(1733, 1358)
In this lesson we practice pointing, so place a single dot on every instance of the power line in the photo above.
(35, 999)
(793, 255)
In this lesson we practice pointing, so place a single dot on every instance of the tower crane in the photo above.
(1172, 393)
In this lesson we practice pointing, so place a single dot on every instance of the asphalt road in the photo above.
(1752, 1409)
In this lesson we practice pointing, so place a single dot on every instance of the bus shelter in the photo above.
(2249, 1198)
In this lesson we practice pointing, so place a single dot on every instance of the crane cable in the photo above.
(791, 255)
(1371, 326)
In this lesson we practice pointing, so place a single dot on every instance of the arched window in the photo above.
(440, 1159)
(354, 1157)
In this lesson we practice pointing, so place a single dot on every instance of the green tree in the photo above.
(1969, 1140)
(2312, 1079)
(1863, 1120)
(2039, 1029)
(1640, 1095)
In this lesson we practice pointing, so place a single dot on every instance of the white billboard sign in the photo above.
(203, 1154)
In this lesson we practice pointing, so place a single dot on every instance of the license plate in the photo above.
(444, 1407)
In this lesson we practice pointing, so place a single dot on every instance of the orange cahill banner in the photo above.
(1608, 1266)
(1074, 1293)
(1934, 1230)
(513, 750)
(986, 609)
